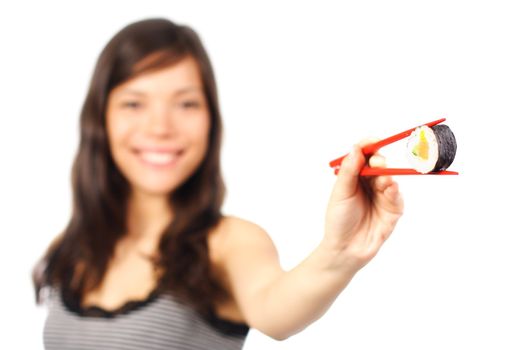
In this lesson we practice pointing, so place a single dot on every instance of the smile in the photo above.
(159, 158)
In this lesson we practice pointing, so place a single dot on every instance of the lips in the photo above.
(159, 157)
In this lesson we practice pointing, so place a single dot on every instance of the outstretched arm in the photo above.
(361, 214)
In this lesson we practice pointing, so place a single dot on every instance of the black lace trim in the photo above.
(229, 327)
(72, 303)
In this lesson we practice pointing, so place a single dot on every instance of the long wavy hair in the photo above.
(77, 260)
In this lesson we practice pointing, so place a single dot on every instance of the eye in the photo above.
(190, 104)
(131, 104)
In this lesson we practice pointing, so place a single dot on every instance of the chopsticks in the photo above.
(368, 171)
(369, 150)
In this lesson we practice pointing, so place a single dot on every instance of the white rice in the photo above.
(419, 163)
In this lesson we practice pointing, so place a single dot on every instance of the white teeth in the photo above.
(158, 158)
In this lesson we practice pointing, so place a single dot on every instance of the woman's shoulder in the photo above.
(233, 229)
(234, 233)
(236, 225)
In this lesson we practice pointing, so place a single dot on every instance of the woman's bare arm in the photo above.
(361, 215)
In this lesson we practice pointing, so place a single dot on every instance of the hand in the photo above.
(362, 211)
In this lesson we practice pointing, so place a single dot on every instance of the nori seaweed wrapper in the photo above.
(447, 146)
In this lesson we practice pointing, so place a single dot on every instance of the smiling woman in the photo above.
(149, 152)
(158, 126)
(148, 258)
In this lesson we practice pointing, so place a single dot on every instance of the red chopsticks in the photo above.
(368, 171)
(373, 148)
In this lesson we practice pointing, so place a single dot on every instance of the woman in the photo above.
(147, 259)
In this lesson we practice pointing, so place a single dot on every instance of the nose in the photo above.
(159, 122)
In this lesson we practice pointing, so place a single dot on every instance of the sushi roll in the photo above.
(431, 149)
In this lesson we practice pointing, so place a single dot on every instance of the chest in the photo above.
(128, 277)
(161, 324)
(131, 276)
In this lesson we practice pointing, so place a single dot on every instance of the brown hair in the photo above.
(77, 260)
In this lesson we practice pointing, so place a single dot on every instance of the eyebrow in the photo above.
(175, 93)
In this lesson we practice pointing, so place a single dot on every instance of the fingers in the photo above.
(392, 199)
(392, 191)
(377, 161)
(385, 186)
(379, 183)
(367, 141)
(348, 177)
(382, 190)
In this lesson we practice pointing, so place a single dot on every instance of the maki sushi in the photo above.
(431, 149)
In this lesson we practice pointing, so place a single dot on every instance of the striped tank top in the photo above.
(159, 322)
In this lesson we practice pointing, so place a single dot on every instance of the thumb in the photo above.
(347, 181)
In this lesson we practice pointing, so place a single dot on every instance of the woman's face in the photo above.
(158, 125)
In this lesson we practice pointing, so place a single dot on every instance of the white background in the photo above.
(299, 83)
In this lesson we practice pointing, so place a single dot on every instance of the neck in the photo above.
(148, 215)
